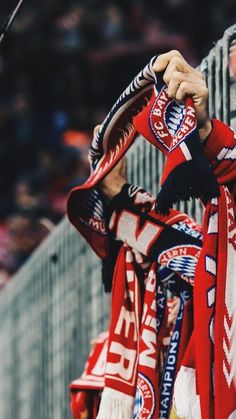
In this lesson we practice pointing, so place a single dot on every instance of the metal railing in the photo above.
(221, 84)
(55, 304)
(48, 314)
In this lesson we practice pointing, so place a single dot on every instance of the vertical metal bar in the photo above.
(218, 81)
(232, 50)
(226, 77)
(211, 81)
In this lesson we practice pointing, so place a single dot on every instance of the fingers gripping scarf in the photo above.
(145, 108)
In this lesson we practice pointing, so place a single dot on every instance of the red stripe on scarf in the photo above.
(122, 357)
(134, 345)
(203, 314)
(149, 346)
(225, 312)
(214, 331)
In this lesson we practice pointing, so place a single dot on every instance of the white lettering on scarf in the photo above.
(145, 357)
(129, 232)
(124, 367)
(149, 333)
(97, 224)
(126, 318)
(122, 363)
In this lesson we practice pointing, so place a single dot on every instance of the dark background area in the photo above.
(62, 66)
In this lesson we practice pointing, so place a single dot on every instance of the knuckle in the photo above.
(176, 75)
(183, 86)
(158, 58)
(200, 75)
(166, 78)
(205, 92)
(177, 60)
(182, 90)
(170, 94)
(175, 52)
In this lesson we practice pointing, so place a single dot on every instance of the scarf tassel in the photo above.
(186, 401)
(115, 405)
(191, 179)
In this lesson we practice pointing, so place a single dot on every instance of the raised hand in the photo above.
(183, 80)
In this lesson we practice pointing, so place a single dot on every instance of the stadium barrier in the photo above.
(55, 304)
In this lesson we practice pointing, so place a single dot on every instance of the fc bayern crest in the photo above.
(145, 403)
(182, 259)
(170, 121)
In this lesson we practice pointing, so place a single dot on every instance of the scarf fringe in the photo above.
(115, 405)
(191, 179)
(185, 400)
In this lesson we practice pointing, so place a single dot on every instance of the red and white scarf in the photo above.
(85, 390)
(208, 369)
(210, 363)
(132, 360)
(135, 385)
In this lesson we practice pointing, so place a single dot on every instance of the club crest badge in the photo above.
(182, 259)
(145, 403)
(171, 122)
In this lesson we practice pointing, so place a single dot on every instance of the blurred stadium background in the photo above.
(61, 67)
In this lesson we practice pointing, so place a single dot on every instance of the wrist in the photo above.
(205, 131)
(111, 189)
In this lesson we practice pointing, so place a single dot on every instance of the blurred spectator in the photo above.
(113, 28)
(73, 170)
(25, 198)
(6, 257)
(68, 30)
(26, 232)
(81, 141)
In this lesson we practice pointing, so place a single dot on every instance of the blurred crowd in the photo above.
(61, 67)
